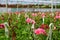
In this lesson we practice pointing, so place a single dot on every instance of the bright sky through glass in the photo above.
(27, 1)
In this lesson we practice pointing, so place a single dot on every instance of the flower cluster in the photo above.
(17, 13)
(43, 15)
(57, 15)
(34, 14)
(44, 26)
(29, 20)
(40, 31)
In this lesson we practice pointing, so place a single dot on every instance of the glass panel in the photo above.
(29, 1)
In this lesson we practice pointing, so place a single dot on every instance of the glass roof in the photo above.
(29, 1)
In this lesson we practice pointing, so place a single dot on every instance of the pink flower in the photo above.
(59, 16)
(34, 14)
(54, 28)
(17, 13)
(40, 31)
(33, 22)
(28, 20)
(43, 15)
(1, 25)
(56, 17)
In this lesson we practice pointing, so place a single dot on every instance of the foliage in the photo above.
(23, 29)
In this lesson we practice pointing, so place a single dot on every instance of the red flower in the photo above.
(1, 26)
(44, 26)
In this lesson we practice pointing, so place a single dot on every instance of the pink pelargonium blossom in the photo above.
(58, 12)
(43, 15)
(1, 25)
(34, 14)
(59, 16)
(56, 17)
(28, 20)
(40, 31)
(17, 13)
(33, 22)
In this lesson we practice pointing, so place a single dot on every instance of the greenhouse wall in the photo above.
(27, 9)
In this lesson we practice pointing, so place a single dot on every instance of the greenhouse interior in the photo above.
(29, 19)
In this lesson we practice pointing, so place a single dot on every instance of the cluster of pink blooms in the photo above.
(43, 15)
(29, 20)
(1, 26)
(40, 31)
(57, 15)
(17, 13)
(34, 14)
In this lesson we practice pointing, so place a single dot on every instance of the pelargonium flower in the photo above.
(56, 17)
(43, 15)
(40, 31)
(33, 22)
(28, 20)
(34, 14)
(44, 26)
(59, 15)
(1, 25)
(17, 13)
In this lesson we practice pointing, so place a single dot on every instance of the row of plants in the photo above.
(30, 26)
